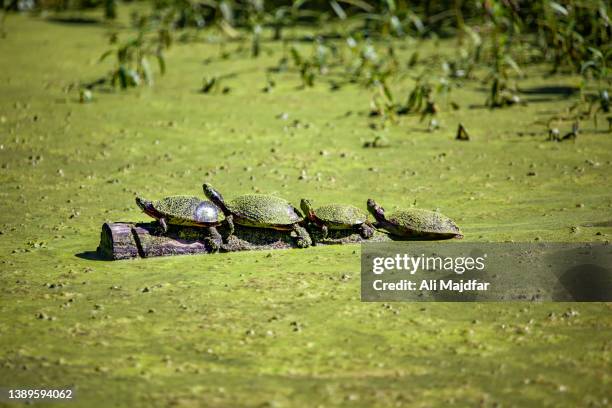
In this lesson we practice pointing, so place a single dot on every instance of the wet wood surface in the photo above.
(124, 240)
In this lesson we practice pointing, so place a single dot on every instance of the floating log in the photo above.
(124, 240)
(117, 241)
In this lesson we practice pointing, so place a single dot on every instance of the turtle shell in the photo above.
(188, 210)
(260, 210)
(340, 216)
(421, 222)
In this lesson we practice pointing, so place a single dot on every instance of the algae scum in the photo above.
(279, 328)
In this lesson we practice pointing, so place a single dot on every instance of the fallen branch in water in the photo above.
(144, 240)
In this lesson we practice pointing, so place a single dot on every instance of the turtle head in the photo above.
(306, 207)
(215, 196)
(146, 206)
(376, 210)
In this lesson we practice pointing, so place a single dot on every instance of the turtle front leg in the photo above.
(302, 238)
(214, 240)
(324, 231)
(163, 225)
(230, 223)
(366, 230)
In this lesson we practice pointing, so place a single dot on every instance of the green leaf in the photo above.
(596, 52)
(512, 63)
(209, 84)
(297, 58)
(146, 71)
(133, 79)
(297, 4)
(227, 12)
(338, 9)
(387, 91)
(359, 4)
(417, 22)
(165, 38)
(585, 66)
(123, 77)
(475, 37)
(161, 61)
(396, 25)
(105, 55)
(558, 8)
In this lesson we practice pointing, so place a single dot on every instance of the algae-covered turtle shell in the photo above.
(338, 217)
(256, 210)
(260, 211)
(335, 216)
(182, 210)
(415, 222)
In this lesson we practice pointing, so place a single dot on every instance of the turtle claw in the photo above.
(324, 231)
(162, 227)
(230, 223)
(366, 230)
(302, 238)
(163, 224)
(215, 240)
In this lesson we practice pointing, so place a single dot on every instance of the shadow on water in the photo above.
(554, 90)
(90, 256)
(598, 224)
(551, 93)
(537, 94)
(74, 20)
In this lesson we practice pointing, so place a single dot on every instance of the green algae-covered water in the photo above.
(280, 328)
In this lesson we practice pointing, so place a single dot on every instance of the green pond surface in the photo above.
(278, 328)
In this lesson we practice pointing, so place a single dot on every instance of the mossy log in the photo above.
(144, 240)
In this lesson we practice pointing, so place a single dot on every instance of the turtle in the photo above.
(186, 211)
(415, 223)
(261, 211)
(338, 217)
